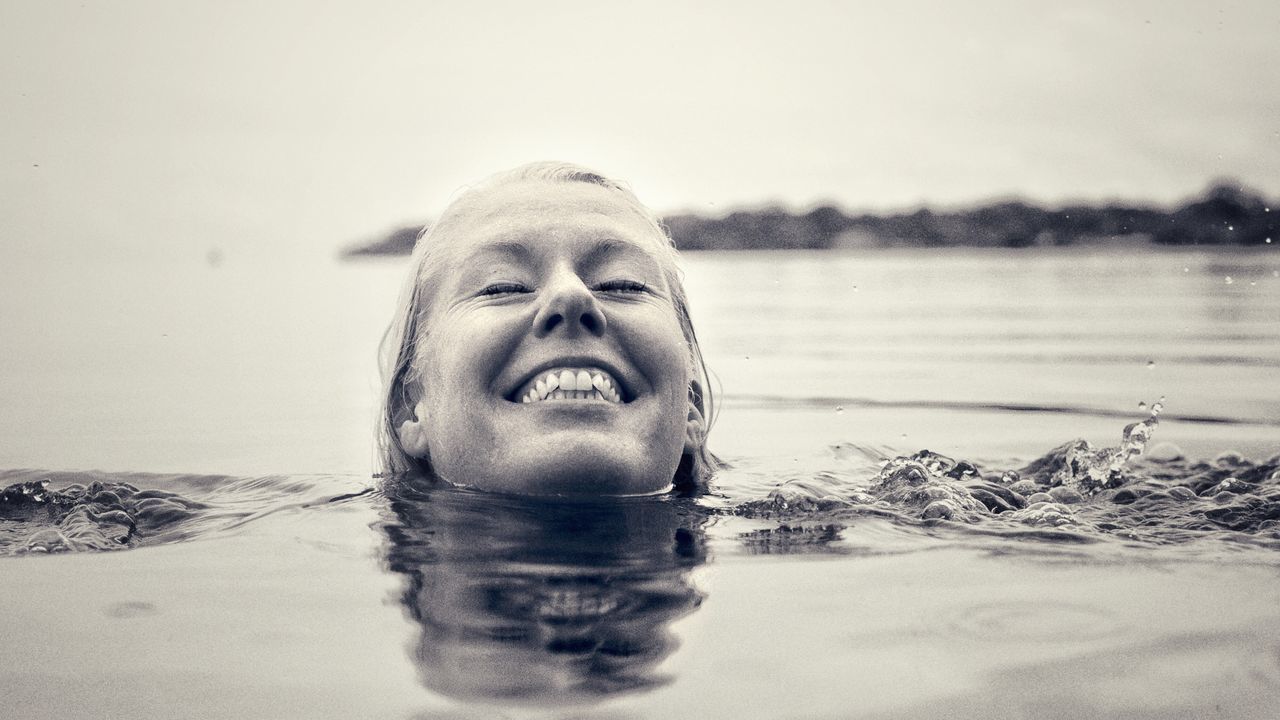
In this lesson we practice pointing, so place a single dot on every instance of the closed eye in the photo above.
(622, 286)
(506, 288)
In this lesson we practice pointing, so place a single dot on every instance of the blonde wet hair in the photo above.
(400, 342)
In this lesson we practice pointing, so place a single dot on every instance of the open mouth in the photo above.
(570, 383)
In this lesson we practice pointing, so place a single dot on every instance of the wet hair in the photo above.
(399, 343)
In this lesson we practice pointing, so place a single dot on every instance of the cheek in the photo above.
(674, 345)
(659, 345)
(457, 365)
(439, 396)
(446, 395)
(449, 357)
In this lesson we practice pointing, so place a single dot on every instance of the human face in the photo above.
(540, 286)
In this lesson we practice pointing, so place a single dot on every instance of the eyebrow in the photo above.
(506, 247)
(607, 245)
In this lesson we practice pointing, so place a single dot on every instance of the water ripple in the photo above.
(778, 402)
(1021, 621)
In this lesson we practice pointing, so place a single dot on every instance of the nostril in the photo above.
(551, 321)
(592, 322)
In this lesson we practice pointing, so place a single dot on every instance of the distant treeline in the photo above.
(1225, 214)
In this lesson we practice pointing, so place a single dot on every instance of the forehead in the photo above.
(542, 214)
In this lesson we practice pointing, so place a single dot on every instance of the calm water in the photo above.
(227, 409)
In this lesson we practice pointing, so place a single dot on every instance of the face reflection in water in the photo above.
(539, 601)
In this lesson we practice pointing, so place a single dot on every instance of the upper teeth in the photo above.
(572, 384)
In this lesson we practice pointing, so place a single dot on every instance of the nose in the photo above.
(568, 306)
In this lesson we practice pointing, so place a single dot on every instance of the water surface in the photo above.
(837, 568)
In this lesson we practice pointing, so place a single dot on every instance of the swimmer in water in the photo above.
(543, 345)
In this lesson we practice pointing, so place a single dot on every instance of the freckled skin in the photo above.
(537, 275)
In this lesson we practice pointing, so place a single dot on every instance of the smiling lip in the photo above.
(571, 382)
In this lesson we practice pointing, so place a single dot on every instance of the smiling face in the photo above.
(551, 358)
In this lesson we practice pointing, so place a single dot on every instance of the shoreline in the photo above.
(1225, 215)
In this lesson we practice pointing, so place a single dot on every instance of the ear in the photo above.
(413, 434)
(695, 428)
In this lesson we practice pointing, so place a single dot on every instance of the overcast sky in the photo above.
(311, 125)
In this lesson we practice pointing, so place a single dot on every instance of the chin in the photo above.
(583, 473)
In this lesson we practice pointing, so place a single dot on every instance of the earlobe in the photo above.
(413, 434)
(695, 428)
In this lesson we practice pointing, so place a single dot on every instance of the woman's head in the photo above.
(543, 344)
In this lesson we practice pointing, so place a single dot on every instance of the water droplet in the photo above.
(1142, 404)
(839, 409)
(904, 436)
(1186, 269)
(1268, 241)
(1231, 227)
(1228, 280)
(855, 288)
(746, 357)
(1252, 283)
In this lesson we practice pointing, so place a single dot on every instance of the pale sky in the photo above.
(292, 125)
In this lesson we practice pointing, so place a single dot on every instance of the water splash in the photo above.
(48, 512)
(1075, 493)
(1086, 470)
(96, 516)
(930, 484)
